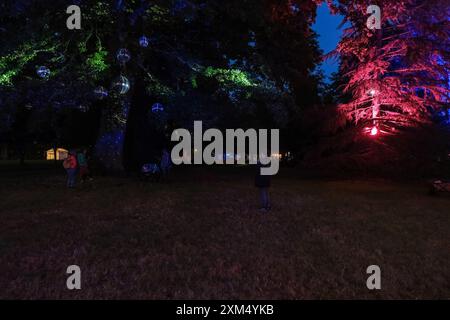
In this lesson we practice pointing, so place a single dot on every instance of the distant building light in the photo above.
(61, 154)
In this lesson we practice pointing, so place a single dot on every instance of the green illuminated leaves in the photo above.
(159, 90)
(97, 62)
(233, 77)
(11, 65)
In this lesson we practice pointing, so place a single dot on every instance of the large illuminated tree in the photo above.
(397, 75)
(229, 63)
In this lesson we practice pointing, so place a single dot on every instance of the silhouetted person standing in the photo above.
(70, 164)
(165, 164)
(83, 165)
(262, 182)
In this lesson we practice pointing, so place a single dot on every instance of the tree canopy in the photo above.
(228, 63)
(398, 75)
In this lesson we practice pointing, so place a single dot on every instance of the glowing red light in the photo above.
(374, 131)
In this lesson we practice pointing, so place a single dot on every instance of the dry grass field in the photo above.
(201, 236)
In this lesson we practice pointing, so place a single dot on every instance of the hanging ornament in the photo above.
(157, 107)
(121, 85)
(60, 57)
(43, 72)
(144, 41)
(374, 131)
(100, 93)
(123, 56)
(83, 108)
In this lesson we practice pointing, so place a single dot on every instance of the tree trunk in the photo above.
(22, 158)
(4, 152)
(110, 143)
(55, 160)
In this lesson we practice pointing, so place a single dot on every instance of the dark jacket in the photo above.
(260, 180)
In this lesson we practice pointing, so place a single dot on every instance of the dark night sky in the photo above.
(326, 27)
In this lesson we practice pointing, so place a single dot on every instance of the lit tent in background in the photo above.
(61, 154)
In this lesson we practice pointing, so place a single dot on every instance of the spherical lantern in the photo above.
(100, 93)
(43, 72)
(121, 85)
(157, 107)
(144, 41)
(83, 108)
(123, 56)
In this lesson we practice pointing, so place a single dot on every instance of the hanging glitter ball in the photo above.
(123, 56)
(144, 41)
(121, 85)
(43, 72)
(157, 107)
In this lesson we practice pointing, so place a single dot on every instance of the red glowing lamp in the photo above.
(374, 131)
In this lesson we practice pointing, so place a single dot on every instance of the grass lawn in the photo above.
(201, 237)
